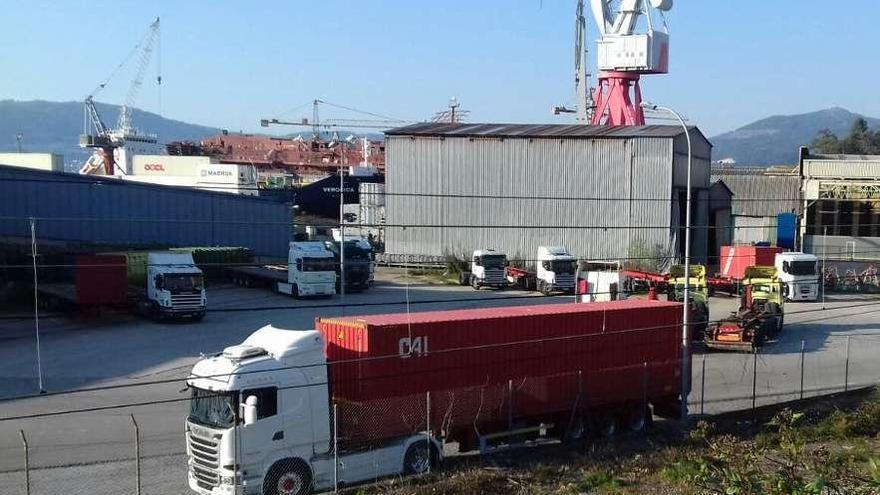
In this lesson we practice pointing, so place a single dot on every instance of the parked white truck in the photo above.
(556, 270)
(488, 268)
(310, 271)
(799, 275)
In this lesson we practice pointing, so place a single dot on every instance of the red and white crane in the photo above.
(624, 55)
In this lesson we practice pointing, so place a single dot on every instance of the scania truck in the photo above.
(294, 411)
(310, 271)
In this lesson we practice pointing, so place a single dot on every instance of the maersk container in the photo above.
(487, 367)
(735, 259)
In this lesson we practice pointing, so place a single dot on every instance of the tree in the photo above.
(860, 141)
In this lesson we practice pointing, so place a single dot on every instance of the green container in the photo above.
(215, 260)
(136, 266)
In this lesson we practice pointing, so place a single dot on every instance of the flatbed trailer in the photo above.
(258, 276)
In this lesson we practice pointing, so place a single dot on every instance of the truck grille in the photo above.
(186, 301)
(564, 281)
(495, 277)
(205, 456)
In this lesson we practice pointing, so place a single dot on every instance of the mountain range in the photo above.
(49, 126)
(55, 127)
(775, 140)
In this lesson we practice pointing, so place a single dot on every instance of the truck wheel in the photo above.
(544, 287)
(419, 457)
(288, 477)
(475, 282)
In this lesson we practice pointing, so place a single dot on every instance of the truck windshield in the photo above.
(801, 267)
(355, 253)
(563, 267)
(318, 265)
(176, 282)
(214, 409)
(494, 261)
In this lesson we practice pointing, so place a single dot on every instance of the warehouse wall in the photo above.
(532, 176)
(93, 210)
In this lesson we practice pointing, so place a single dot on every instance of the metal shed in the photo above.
(759, 197)
(604, 192)
(71, 208)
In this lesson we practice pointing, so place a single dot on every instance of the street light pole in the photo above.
(685, 333)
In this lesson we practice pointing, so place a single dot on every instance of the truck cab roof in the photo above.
(554, 252)
(487, 252)
(311, 249)
(792, 256)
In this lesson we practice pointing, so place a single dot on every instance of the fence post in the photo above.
(509, 412)
(335, 447)
(754, 379)
(703, 386)
(27, 464)
(428, 427)
(137, 454)
(846, 366)
(803, 354)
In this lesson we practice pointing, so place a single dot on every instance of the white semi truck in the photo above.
(799, 275)
(556, 270)
(268, 399)
(488, 268)
(310, 271)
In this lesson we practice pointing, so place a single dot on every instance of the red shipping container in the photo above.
(100, 280)
(735, 259)
(484, 367)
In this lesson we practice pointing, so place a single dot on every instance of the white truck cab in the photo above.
(556, 270)
(799, 275)
(311, 270)
(488, 269)
(260, 422)
(601, 281)
(174, 285)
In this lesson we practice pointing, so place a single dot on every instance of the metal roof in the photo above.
(538, 130)
(758, 194)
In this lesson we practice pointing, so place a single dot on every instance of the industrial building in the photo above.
(758, 197)
(841, 197)
(603, 192)
(71, 210)
(37, 161)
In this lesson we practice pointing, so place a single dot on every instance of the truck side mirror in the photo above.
(249, 410)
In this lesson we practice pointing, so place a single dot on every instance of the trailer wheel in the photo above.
(604, 425)
(288, 477)
(637, 418)
(419, 457)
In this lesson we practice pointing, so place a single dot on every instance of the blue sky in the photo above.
(227, 65)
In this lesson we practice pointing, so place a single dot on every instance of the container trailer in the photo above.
(155, 284)
(735, 260)
(367, 396)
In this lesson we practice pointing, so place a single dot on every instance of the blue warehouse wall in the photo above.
(102, 211)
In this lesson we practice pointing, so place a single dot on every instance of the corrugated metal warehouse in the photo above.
(603, 192)
(71, 208)
(759, 196)
(842, 203)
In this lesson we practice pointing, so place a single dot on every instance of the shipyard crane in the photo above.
(584, 105)
(625, 55)
(378, 122)
(96, 134)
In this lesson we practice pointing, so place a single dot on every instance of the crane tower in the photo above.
(624, 55)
